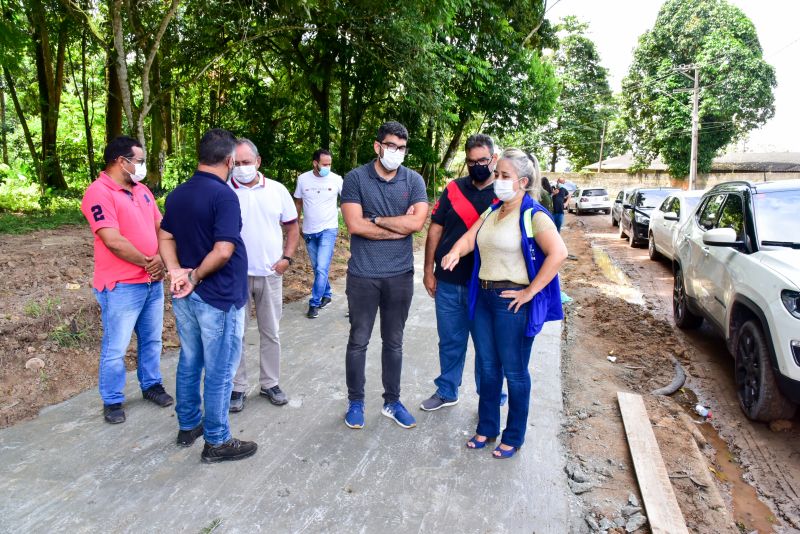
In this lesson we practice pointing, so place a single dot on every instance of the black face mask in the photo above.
(479, 173)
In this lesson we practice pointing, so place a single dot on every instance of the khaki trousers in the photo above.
(266, 293)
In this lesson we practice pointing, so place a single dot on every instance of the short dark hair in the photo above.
(216, 145)
(392, 128)
(477, 140)
(321, 152)
(120, 146)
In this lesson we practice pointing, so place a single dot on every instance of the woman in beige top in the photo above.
(514, 290)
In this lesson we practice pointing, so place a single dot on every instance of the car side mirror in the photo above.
(671, 216)
(721, 237)
(627, 206)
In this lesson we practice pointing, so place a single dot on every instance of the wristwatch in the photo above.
(287, 258)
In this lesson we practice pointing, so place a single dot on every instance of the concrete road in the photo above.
(68, 471)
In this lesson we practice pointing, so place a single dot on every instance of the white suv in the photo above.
(737, 265)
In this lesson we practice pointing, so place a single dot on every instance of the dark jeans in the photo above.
(365, 296)
(558, 218)
(501, 348)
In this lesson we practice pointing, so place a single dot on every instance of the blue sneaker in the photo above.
(354, 418)
(395, 410)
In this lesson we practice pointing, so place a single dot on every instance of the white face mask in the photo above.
(504, 189)
(392, 160)
(245, 173)
(139, 171)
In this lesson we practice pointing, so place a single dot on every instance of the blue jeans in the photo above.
(501, 348)
(210, 339)
(558, 218)
(453, 326)
(126, 309)
(320, 251)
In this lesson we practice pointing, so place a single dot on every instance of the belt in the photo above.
(501, 284)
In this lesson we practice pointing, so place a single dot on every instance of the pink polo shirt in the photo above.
(106, 204)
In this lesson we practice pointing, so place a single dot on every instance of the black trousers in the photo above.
(365, 296)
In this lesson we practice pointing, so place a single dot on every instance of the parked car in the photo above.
(634, 220)
(616, 207)
(737, 265)
(665, 219)
(589, 199)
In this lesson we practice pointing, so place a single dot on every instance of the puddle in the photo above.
(620, 284)
(749, 513)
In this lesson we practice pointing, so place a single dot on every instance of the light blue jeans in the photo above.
(126, 309)
(320, 251)
(210, 339)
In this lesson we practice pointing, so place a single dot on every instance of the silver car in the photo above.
(665, 219)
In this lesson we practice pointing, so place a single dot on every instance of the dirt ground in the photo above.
(48, 311)
(728, 474)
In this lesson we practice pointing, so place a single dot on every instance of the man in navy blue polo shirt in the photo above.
(383, 203)
(202, 247)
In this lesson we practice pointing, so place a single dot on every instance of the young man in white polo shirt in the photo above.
(315, 197)
(267, 214)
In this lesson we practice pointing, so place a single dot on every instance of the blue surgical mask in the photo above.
(324, 171)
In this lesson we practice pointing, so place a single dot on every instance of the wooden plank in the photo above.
(663, 512)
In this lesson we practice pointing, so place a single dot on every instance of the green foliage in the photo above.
(584, 104)
(737, 84)
(23, 208)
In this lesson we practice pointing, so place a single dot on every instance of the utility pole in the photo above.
(602, 142)
(695, 128)
(695, 120)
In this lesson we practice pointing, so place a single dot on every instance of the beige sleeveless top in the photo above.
(499, 241)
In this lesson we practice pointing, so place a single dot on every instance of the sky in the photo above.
(615, 27)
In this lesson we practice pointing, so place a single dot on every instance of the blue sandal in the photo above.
(502, 454)
(473, 443)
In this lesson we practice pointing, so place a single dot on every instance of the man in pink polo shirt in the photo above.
(124, 218)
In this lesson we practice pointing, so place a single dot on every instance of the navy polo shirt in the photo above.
(198, 213)
(382, 258)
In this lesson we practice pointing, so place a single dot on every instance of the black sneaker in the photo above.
(237, 401)
(275, 395)
(113, 413)
(186, 438)
(324, 302)
(231, 450)
(313, 312)
(157, 394)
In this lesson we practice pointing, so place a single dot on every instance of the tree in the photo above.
(584, 104)
(737, 84)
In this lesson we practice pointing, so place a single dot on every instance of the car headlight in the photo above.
(642, 219)
(791, 300)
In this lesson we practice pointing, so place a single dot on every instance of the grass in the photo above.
(38, 309)
(22, 223)
(211, 527)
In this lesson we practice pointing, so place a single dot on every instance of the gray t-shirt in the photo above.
(384, 258)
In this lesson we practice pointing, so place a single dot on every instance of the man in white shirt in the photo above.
(315, 197)
(268, 214)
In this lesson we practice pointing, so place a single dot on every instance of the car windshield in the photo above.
(594, 193)
(651, 199)
(774, 212)
(689, 203)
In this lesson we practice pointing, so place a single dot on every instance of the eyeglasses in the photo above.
(134, 161)
(482, 161)
(391, 147)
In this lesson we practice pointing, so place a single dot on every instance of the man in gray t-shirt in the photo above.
(383, 204)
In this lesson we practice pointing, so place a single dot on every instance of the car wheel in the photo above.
(684, 318)
(578, 210)
(607, 212)
(622, 234)
(651, 247)
(758, 392)
(614, 222)
(631, 239)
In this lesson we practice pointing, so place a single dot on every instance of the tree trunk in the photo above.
(429, 166)
(553, 158)
(168, 133)
(113, 99)
(3, 124)
(155, 155)
(24, 123)
(50, 86)
(344, 118)
(455, 141)
(83, 99)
